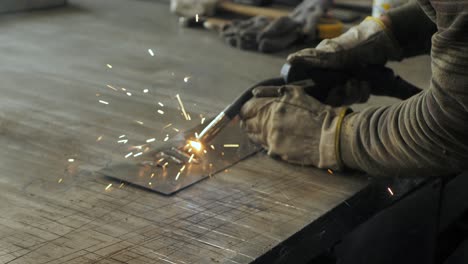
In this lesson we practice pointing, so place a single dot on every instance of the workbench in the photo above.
(64, 109)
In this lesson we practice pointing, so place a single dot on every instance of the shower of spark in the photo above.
(182, 107)
(111, 87)
(231, 145)
(390, 191)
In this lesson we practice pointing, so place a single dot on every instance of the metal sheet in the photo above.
(149, 172)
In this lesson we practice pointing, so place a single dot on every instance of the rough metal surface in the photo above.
(23, 5)
(54, 135)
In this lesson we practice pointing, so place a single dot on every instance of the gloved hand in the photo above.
(191, 8)
(294, 126)
(259, 33)
(369, 43)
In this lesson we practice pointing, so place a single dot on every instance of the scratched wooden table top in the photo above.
(77, 80)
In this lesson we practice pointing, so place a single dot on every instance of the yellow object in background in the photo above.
(381, 7)
(329, 28)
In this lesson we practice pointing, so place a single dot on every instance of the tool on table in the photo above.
(378, 76)
(326, 27)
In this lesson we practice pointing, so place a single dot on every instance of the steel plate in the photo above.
(149, 172)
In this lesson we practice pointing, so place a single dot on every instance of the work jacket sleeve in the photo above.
(412, 29)
(427, 134)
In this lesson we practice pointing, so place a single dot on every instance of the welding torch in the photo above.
(381, 79)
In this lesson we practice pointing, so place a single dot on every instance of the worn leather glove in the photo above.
(260, 33)
(294, 126)
(191, 8)
(369, 43)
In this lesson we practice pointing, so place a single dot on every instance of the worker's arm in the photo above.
(428, 133)
(412, 29)
(425, 135)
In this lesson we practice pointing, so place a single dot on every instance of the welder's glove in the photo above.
(294, 126)
(191, 8)
(369, 43)
(260, 33)
(352, 92)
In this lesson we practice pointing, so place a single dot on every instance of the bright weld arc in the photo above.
(182, 107)
(196, 145)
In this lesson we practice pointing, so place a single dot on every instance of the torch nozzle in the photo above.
(213, 128)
